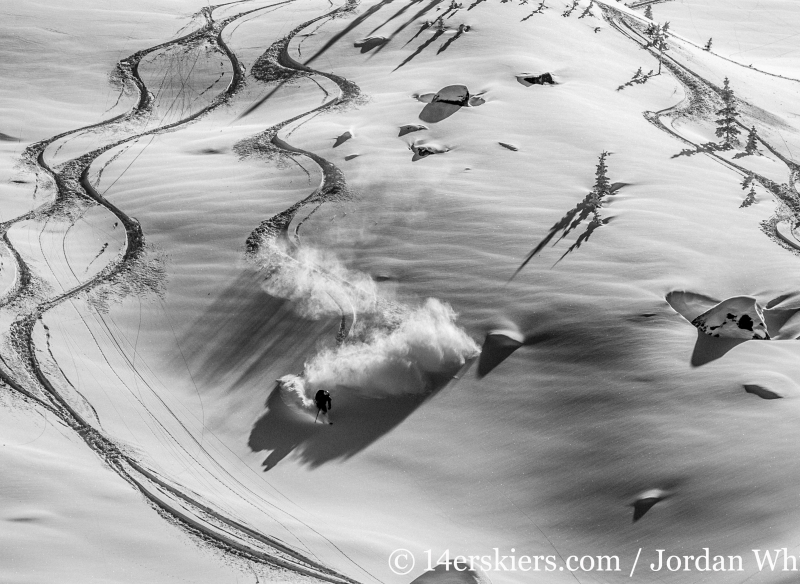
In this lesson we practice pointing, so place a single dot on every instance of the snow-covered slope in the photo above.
(201, 200)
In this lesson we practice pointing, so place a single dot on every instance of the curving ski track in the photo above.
(694, 87)
(22, 371)
(277, 65)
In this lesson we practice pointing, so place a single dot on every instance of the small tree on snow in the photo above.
(658, 41)
(750, 198)
(571, 9)
(602, 186)
(726, 123)
(588, 208)
(752, 145)
(588, 11)
(648, 12)
(708, 46)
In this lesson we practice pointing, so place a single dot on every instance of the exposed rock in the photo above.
(739, 317)
(446, 102)
(408, 128)
(453, 94)
(342, 139)
(425, 150)
(370, 43)
(543, 79)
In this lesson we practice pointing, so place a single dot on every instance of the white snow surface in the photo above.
(143, 434)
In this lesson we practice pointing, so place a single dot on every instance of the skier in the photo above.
(323, 401)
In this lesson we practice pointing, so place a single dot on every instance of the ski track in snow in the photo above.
(694, 86)
(74, 193)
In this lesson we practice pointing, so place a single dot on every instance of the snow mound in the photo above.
(408, 128)
(739, 317)
(497, 347)
(543, 79)
(446, 102)
(422, 150)
(452, 573)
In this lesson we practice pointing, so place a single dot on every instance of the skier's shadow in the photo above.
(358, 422)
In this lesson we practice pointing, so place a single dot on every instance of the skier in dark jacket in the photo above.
(323, 401)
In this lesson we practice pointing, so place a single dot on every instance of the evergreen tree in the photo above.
(708, 46)
(752, 145)
(588, 11)
(648, 12)
(658, 41)
(750, 198)
(602, 186)
(728, 118)
(571, 9)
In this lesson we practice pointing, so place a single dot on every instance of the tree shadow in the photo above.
(420, 13)
(588, 208)
(421, 48)
(395, 15)
(353, 24)
(462, 28)
(358, 422)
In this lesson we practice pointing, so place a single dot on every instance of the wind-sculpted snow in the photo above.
(383, 348)
(261, 214)
(702, 99)
(129, 271)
